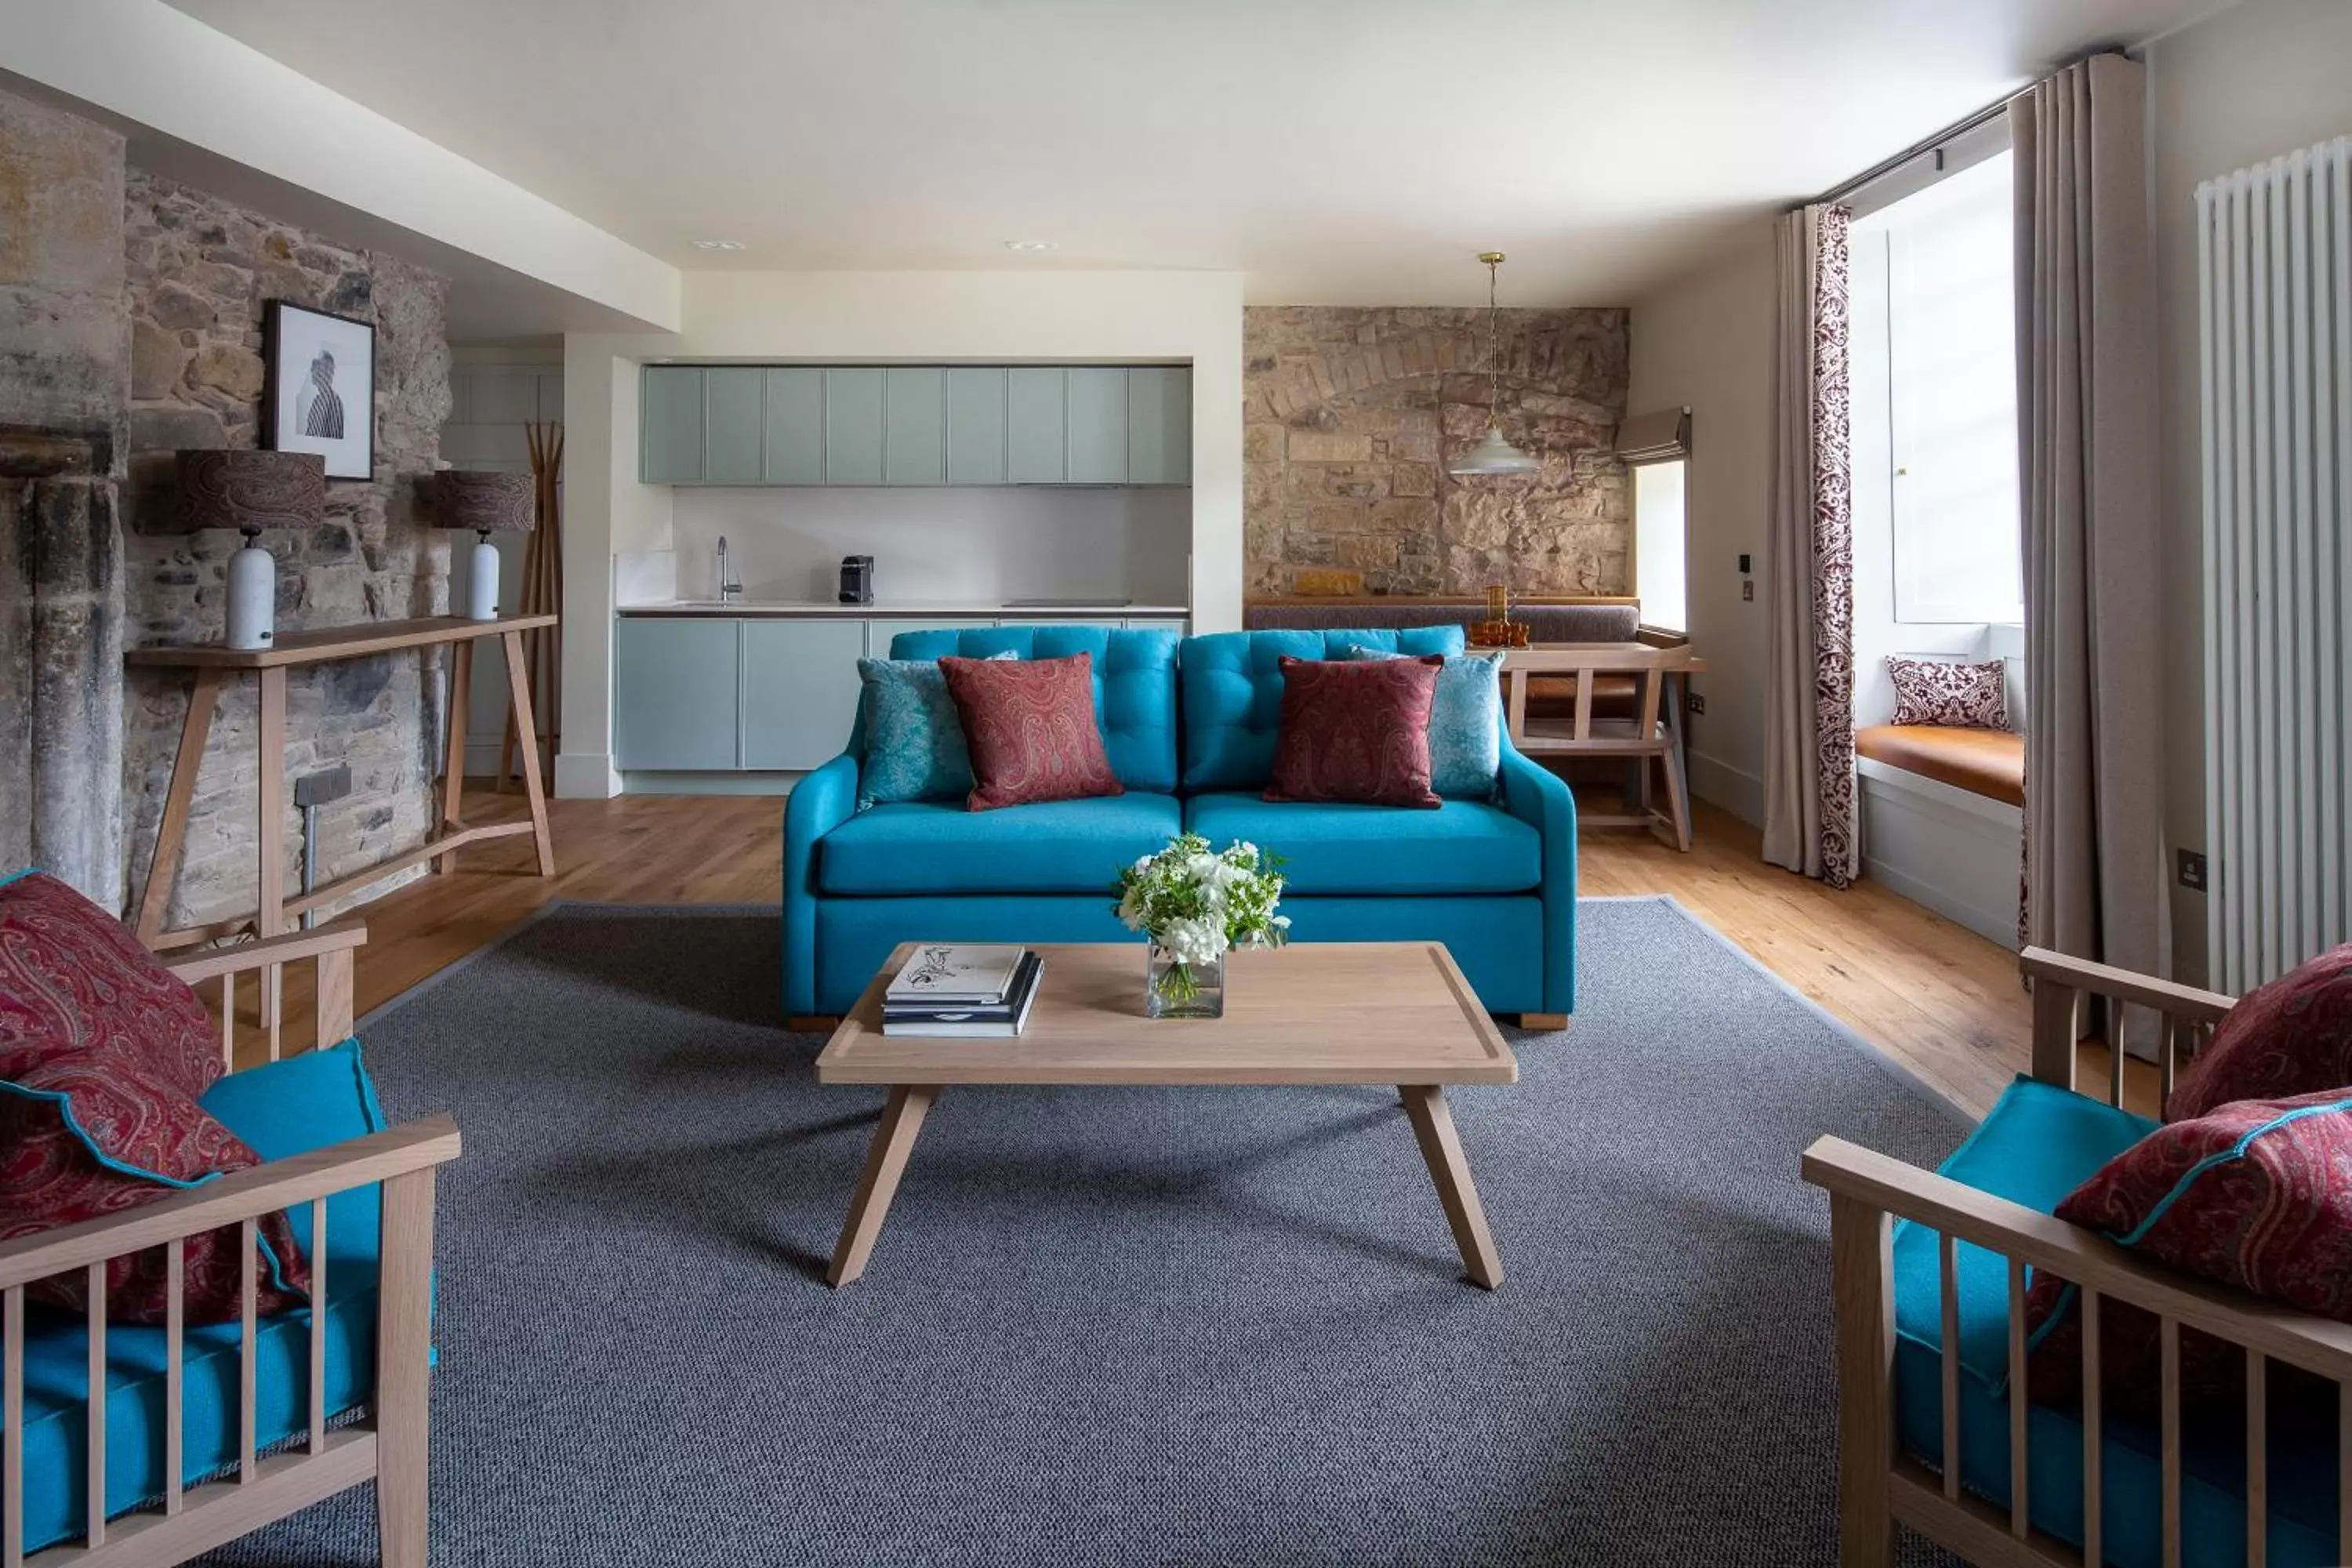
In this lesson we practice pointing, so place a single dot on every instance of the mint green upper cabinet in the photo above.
(1158, 424)
(976, 425)
(795, 425)
(915, 425)
(671, 419)
(1037, 425)
(734, 424)
(1098, 424)
(853, 425)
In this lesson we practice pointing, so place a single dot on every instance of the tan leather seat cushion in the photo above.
(1989, 763)
(1554, 696)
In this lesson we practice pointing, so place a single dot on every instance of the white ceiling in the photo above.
(1337, 151)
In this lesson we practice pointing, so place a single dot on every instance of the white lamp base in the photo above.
(482, 599)
(252, 597)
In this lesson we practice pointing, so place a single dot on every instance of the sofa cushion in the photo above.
(1356, 731)
(1135, 685)
(1462, 846)
(1032, 728)
(1465, 723)
(74, 978)
(1232, 693)
(914, 747)
(1058, 846)
(2291, 1036)
(288, 1107)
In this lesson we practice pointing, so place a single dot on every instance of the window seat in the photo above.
(1989, 763)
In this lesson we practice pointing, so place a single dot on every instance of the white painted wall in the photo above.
(1193, 318)
(951, 545)
(1706, 340)
(2265, 77)
(158, 67)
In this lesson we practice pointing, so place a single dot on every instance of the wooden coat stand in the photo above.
(542, 595)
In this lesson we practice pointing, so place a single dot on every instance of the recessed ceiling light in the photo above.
(1030, 245)
(717, 245)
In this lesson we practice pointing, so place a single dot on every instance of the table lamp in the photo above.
(487, 504)
(250, 491)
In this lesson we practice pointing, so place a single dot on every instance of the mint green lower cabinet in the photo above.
(800, 691)
(1156, 625)
(879, 633)
(677, 686)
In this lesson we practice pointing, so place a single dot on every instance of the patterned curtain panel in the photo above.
(2087, 466)
(1809, 789)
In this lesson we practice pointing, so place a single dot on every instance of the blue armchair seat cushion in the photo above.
(1463, 846)
(1053, 847)
(287, 1108)
(2037, 1144)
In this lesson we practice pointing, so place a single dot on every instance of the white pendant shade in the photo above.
(1492, 455)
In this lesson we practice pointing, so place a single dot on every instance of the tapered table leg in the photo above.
(1441, 1145)
(271, 788)
(171, 836)
(886, 1162)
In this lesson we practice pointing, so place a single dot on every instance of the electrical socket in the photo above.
(2192, 869)
(1696, 702)
(1747, 590)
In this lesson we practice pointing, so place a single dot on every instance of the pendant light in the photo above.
(1493, 456)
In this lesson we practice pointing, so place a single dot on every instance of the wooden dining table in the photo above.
(1660, 680)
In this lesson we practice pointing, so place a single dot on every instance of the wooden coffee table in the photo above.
(1378, 1012)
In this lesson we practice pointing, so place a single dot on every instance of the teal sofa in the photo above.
(1190, 731)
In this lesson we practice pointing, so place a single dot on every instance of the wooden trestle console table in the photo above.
(210, 664)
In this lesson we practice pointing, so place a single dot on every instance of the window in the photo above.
(1946, 339)
(1659, 573)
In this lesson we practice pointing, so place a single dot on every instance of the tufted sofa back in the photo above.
(1135, 685)
(1232, 693)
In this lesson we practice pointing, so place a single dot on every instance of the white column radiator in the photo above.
(2274, 254)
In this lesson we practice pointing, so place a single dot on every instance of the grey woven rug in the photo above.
(1131, 1326)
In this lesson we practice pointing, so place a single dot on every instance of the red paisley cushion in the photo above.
(1030, 725)
(103, 1055)
(2257, 1195)
(1356, 731)
(2291, 1036)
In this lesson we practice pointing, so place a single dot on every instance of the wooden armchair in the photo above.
(1880, 1484)
(389, 1444)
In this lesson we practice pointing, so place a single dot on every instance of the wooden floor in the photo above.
(1936, 996)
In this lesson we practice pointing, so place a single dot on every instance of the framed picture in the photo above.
(318, 389)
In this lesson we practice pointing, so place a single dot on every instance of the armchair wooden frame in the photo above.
(1878, 1486)
(388, 1445)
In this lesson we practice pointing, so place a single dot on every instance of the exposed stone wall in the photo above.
(1351, 413)
(199, 271)
(63, 393)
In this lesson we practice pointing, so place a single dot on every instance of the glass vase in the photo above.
(1176, 990)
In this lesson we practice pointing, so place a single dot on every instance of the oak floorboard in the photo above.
(1934, 996)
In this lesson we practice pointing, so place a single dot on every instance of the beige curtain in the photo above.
(2087, 466)
(1809, 790)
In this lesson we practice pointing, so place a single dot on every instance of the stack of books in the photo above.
(963, 991)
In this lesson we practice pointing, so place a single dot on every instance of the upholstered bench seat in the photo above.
(1989, 763)
(2039, 1143)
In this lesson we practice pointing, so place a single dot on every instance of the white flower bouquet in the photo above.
(1195, 905)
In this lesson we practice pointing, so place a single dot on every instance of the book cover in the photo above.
(955, 973)
(935, 1008)
(1001, 1023)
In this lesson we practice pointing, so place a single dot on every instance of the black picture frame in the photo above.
(293, 340)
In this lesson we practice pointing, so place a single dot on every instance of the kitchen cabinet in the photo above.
(1158, 424)
(1098, 424)
(976, 425)
(671, 418)
(1174, 625)
(879, 633)
(853, 425)
(677, 685)
(800, 691)
(914, 425)
(734, 424)
(794, 438)
(1037, 425)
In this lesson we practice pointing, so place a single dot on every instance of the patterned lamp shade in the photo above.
(483, 501)
(250, 491)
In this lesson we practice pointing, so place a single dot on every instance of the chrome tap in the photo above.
(727, 590)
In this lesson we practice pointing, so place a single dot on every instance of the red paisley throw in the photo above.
(1030, 725)
(103, 1055)
(2257, 1195)
(2291, 1036)
(1356, 731)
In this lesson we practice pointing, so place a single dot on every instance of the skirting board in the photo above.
(1955, 852)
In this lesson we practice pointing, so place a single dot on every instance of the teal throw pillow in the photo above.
(914, 740)
(1465, 724)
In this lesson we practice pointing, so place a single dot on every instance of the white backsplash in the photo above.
(948, 545)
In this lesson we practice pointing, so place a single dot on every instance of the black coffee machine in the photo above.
(857, 579)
